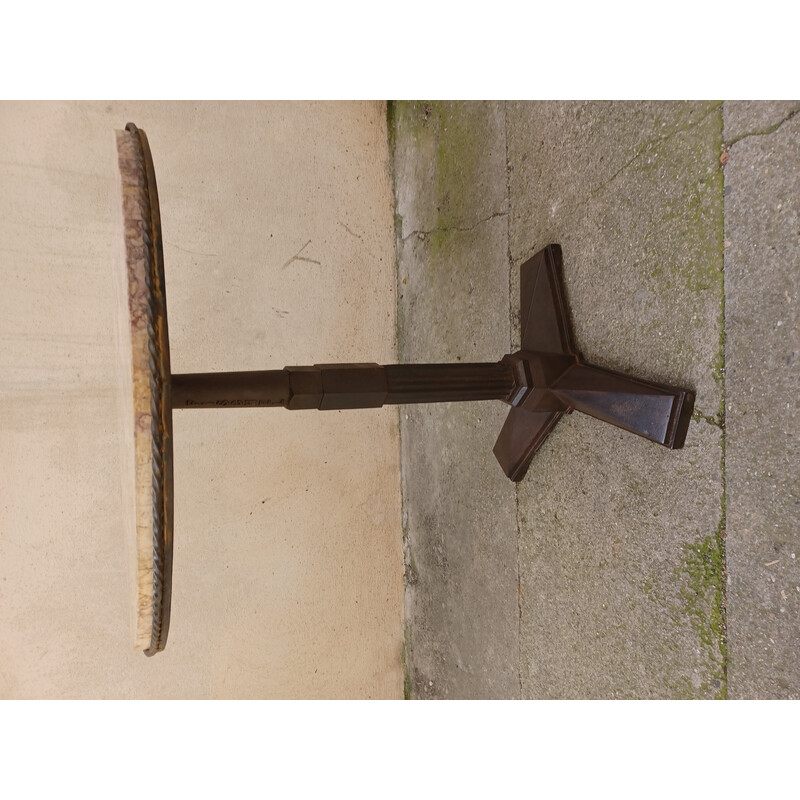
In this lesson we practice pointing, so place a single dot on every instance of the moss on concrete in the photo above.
(702, 573)
(451, 128)
(404, 658)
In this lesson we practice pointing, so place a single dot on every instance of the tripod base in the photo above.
(552, 380)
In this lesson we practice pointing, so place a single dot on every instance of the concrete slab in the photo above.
(621, 553)
(459, 510)
(762, 296)
(602, 574)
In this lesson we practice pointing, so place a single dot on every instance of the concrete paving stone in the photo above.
(461, 563)
(762, 295)
(621, 552)
(459, 510)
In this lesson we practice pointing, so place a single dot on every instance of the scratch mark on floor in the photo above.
(298, 257)
(352, 233)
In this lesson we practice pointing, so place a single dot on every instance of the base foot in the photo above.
(552, 380)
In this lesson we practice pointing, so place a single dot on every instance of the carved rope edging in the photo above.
(155, 312)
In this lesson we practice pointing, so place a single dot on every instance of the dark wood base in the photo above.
(543, 381)
(553, 380)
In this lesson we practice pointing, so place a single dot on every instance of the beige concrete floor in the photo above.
(278, 239)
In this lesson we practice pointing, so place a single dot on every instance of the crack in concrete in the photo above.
(766, 131)
(651, 146)
(721, 533)
(511, 320)
(454, 229)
